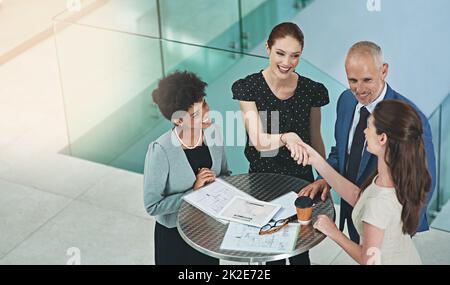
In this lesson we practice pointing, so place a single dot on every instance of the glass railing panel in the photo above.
(434, 120)
(444, 161)
(131, 16)
(438, 210)
(209, 62)
(213, 23)
(441, 139)
(106, 79)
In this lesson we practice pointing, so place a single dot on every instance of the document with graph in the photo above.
(213, 197)
(246, 238)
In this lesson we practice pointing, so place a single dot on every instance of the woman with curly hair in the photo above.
(180, 161)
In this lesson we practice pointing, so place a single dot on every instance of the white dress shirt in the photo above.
(369, 108)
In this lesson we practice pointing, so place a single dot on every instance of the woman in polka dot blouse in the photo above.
(281, 108)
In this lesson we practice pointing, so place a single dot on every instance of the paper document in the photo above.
(212, 198)
(248, 211)
(246, 238)
(286, 202)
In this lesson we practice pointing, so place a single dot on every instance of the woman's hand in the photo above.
(312, 156)
(325, 225)
(204, 176)
(292, 141)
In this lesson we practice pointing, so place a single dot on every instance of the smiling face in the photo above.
(284, 56)
(365, 77)
(196, 117)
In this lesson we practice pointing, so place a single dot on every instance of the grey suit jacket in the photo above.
(168, 175)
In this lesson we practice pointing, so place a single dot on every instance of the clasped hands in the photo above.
(301, 152)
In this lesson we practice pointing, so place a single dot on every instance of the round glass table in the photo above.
(205, 233)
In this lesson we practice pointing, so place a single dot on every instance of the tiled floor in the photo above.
(103, 237)
(52, 202)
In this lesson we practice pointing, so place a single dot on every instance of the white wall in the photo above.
(414, 36)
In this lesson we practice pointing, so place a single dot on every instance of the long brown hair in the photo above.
(405, 156)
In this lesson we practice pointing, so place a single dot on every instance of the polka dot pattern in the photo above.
(294, 116)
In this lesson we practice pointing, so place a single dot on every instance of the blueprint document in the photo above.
(246, 238)
(212, 198)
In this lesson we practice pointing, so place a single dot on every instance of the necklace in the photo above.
(186, 146)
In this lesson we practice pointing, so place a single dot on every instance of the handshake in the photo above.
(301, 152)
(304, 154)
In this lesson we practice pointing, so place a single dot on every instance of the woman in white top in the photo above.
(386, 211)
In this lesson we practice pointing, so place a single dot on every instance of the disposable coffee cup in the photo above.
(304, 204)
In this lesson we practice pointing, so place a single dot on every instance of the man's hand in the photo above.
(318, 186)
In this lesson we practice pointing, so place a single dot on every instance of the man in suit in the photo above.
(366, 74)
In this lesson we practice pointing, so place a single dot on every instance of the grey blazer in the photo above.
(168, 175)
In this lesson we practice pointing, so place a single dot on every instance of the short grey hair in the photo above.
(368, 48)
